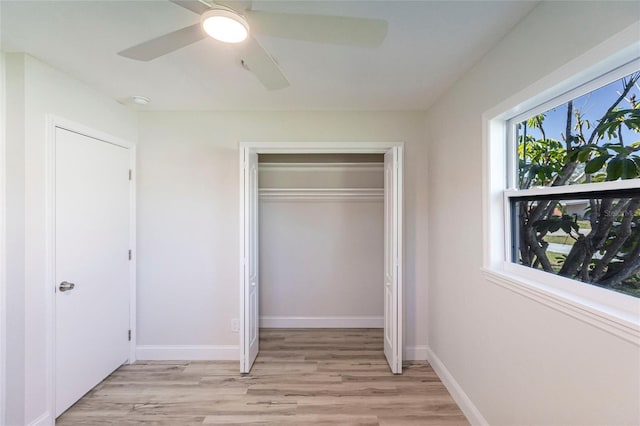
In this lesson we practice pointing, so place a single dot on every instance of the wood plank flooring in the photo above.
(301, 377)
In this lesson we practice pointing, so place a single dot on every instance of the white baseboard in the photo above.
(459, 396)
(188, 353)
(43, 420)
(416, 353)
(322, 322)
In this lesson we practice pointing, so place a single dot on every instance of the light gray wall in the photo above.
(518, 361)
(3, 238)
(34, 90)
(321, 259)
(15, 193)
(292, 176)
(188, 207)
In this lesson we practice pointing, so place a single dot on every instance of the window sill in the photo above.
(610, 320)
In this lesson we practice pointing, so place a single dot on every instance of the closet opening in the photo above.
(321, 248)
(321, 240)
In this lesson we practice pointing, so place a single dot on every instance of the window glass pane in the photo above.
(592, 138)
(595, 240)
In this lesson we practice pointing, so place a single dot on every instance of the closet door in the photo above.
(249, 328)
(393, 259)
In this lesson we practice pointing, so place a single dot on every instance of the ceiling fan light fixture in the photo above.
(225, 25)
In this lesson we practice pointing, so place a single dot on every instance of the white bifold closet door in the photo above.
(250, 327)
(393, 259)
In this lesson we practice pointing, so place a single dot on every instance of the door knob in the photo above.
(66, 286)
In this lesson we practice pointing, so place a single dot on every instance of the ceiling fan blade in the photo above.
(262, 65)
(193, 5)
(341, 30)
(237, 5)
(200, 7)
(167, 43)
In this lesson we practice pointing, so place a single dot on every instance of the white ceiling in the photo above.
(428, 46)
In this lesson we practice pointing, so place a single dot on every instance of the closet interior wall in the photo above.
(321, 240)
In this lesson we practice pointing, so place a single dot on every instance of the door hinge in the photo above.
(129, 254)
(129, 335)
(130, 174)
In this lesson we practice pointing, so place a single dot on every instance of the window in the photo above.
(573, 179)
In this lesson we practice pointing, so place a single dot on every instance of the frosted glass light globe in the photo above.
(225, 25)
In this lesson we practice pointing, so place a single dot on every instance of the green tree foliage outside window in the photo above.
(583, 141)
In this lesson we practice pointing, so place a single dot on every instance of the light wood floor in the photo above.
(301, 377)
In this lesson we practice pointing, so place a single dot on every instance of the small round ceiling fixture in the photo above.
(140, 100)
(225, 25)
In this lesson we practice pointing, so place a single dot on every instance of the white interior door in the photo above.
(393, 259)
(91, 263)
(251, 282)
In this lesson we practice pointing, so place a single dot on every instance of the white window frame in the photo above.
(607, 310)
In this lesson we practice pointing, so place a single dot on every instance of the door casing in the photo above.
(54, 122)
(245, 148)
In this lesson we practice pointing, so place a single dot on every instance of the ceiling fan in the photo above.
(235, 22)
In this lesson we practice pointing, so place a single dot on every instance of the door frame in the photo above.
(320, 148)
(52, 123)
